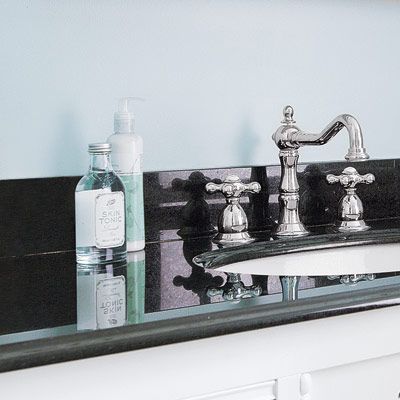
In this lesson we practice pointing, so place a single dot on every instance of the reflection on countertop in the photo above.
(160, 296)
(40, 294)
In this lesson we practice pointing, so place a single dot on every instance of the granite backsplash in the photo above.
(37, 215)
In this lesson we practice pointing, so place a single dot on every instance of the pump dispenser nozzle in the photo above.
(124, 120)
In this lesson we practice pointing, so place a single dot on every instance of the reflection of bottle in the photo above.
(100, 211)
(135, 284)
(127, 154)
(101, 296)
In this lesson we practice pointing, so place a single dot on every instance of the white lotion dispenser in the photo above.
(126, 157)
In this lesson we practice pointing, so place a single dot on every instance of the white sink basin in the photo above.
(361, 259)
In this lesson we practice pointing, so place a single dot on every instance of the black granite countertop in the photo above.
(166, 301)
(49, 311)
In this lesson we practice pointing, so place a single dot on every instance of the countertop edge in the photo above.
(111, 341)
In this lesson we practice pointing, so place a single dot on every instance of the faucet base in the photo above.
(291, 229)
(352, 226)
(236, 238)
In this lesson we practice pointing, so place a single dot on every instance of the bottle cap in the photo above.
(124, 120)
(99, 148)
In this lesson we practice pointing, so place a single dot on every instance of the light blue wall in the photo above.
(215, 74)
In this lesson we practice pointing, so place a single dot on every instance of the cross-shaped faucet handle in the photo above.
(232, 221)
(350, 178)
(232, 187)
(235, 289)
(351, 210)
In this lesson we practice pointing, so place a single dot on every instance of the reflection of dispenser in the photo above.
(135, 286)
(101, 296)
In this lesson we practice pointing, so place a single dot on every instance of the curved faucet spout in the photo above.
(356, 152)
(289, 138)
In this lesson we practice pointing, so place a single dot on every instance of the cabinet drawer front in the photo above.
(261, 391)
(377, 379)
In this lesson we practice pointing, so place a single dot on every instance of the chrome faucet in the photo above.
(289, 138)
(232, 222)
(351, 210)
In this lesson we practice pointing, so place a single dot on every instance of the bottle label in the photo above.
(85, 216)
(109, 220)
(111, 302)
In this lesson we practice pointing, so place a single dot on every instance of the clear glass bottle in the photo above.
(100, 211)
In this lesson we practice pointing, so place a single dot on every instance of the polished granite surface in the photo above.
(44, 298)
(177, 207)
(52, 313)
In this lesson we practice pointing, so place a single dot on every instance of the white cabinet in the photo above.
(377, 379)
(350, 357)
(262, 391)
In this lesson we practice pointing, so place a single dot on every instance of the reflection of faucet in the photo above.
(289, 138)
(290, 288)
(352, 280)
(234, 289)
(199, 280)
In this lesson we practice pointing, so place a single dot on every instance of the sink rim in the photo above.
(245, 258)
